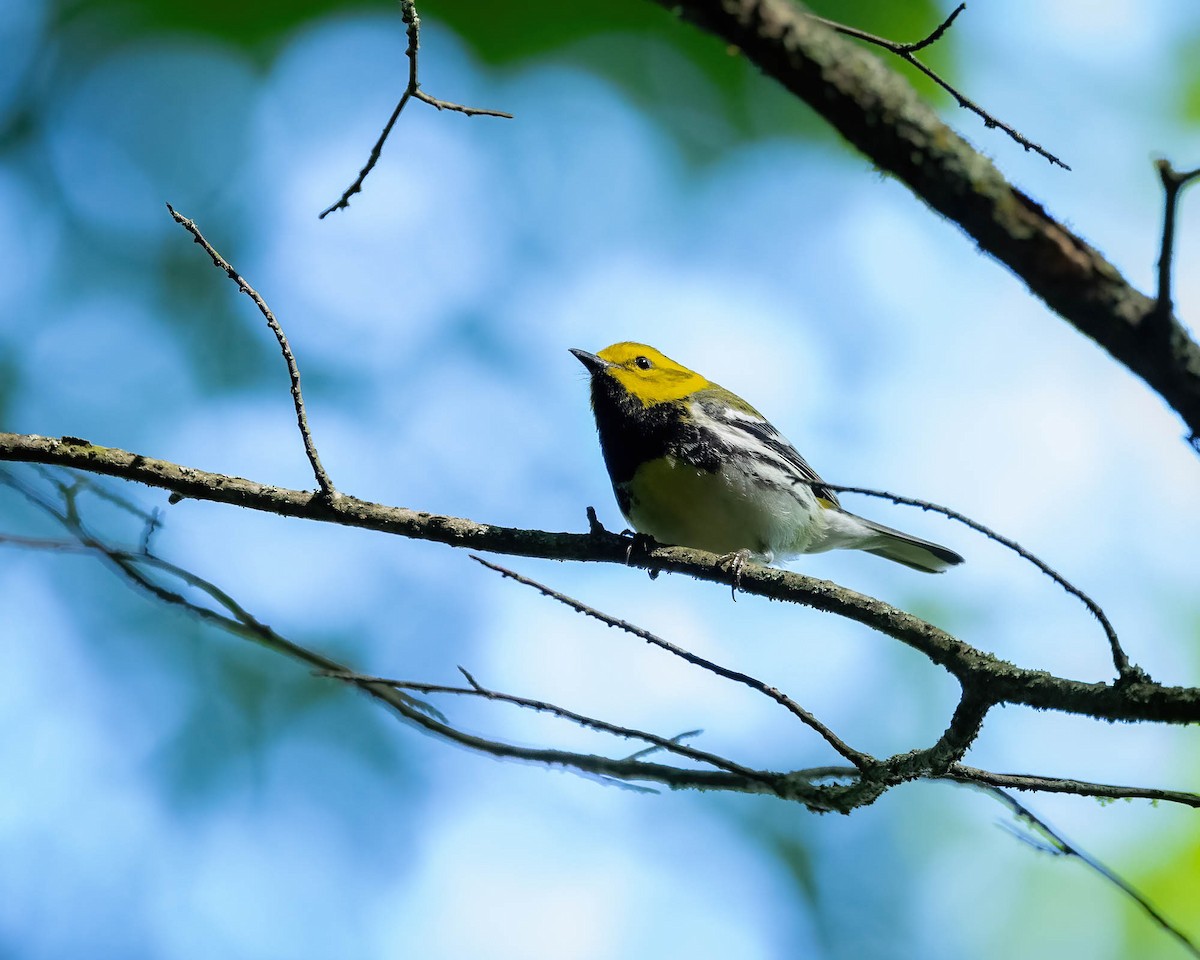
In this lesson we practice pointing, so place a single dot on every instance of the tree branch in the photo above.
(960, 733)
(1173, 183)
(864, 785)
(1127, 671)
(310, 448)
(906, 51)
(1050, 840)
(1005, 683)
(412, 91)
(856, 757)
(1081, 788)
(880, 114)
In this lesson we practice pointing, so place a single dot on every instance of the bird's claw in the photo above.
(643, 543)
(736, 562)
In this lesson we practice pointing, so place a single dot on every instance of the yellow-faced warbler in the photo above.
(696, 466)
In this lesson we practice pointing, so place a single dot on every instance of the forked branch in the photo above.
(1173, 183)
(907, 53)
(412, 91)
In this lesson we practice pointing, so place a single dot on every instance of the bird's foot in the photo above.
(736, 562)
(641, 543)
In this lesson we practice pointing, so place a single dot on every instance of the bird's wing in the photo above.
(749, 430)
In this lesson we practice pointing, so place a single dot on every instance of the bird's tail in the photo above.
(908, 550)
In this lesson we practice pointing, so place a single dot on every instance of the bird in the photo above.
(694, 465)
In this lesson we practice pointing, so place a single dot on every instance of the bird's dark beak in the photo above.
(594, 363)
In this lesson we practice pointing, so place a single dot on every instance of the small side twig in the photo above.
(1173, 183)
(595, 527)
(1127, 671)
(412, 91)
(678, 739)
(860, 760)
(973, 776)
(906, 51)
(310, 448)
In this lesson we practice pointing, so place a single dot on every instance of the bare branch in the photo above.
(235, 619)
(594, 524)
(960, 733)
(221, 263)
(1082, 788)
(1128, 672)
(864, 785)
(973, 776)
(1173, 183)
(1060, 845)
(1005, 683)
(856, 757)
(678, 738)
(880, 114)
(905, 52)
(934, 37)
(412, 91)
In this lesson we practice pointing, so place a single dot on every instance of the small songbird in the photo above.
(694, 465)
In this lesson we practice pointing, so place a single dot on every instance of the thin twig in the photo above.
(961, 773)
(541, 706)
(1082, 788)
(856, 757)
(1173, 183)
(678, 738)
(1060, 845)
(221, 263)
(937, 33)
(1128, 672)
(906, 51)
(412, 91)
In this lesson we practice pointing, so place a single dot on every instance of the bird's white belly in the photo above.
(721, 512)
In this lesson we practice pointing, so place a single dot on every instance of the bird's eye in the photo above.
(642, 363)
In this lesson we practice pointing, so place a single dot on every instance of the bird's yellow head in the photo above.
(643, 373)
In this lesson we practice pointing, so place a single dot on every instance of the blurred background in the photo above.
(173, 792)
